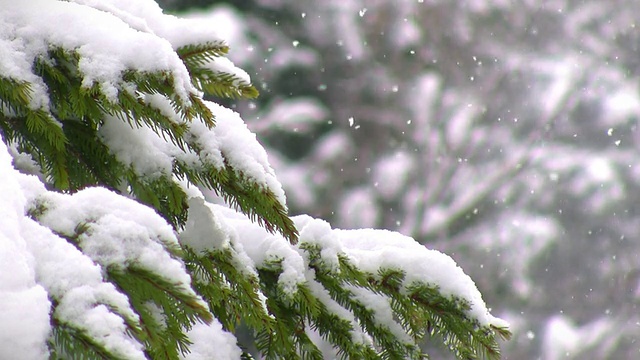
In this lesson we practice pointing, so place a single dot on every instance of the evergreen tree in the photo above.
(504, 133)
(114, 243)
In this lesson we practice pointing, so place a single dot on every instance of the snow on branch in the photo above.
(114, 253)
(356, 273)
(84, 303)
(124, 78)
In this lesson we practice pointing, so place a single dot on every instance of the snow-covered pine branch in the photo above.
(109, 250)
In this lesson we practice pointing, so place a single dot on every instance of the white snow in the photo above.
(24, 305)
(213, 227)
(318, 232)
(141, 148)
(24, 162)
(147, 16)
(357, 335)
(229, 141)
(119, 231)
(80, 307)
(243, 151)
(138, 147)
(368, 249)
(382, 312)
(16, 64)
(24, 320)
(224, 65)
(35, 254)
(230, 24)
(211, 342)
(373, 249)
(107, 45)
(263, 247)
(204, 230)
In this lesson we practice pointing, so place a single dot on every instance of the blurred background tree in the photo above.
(503, 133)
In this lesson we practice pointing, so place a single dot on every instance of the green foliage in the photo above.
(64, 139)
(419, 308)
(198, 57)
(163, 339)
(233, 295)
(69, 343)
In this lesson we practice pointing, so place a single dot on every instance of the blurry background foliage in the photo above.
(501, 132)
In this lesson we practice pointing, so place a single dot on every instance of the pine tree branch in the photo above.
(179, 310)
(68, 342)
(200, 54)
(338, 284)
(233, 295)
(68, 135)
(222, 84)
